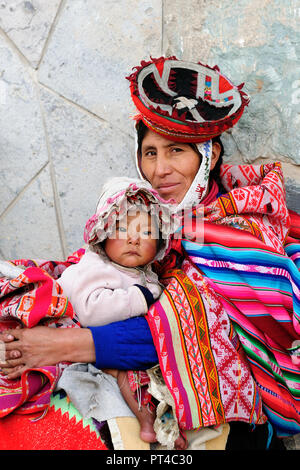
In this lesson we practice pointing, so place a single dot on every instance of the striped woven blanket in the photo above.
(246, 269)
(259, 290)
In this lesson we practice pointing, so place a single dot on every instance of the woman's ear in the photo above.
(216, 150)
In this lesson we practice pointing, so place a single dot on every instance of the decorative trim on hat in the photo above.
(188, 102)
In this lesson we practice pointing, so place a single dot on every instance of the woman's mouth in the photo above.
(167, 188)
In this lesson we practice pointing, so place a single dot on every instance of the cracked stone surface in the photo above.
(29, 229)
(261, 50)
(27, 24)
(65, 108)
(22, 139)
(90, 55)
(293, 191)
(85, 152)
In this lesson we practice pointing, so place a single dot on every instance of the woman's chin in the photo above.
(167, 195)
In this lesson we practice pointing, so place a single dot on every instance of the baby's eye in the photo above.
(122, 229)
(147, 233)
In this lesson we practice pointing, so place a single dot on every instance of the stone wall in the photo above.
(65, 106)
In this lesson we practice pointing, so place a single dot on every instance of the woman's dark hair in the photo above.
(142, 129)
(215, 173)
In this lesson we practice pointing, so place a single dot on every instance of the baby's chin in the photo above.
(131, 265)
(132, 262)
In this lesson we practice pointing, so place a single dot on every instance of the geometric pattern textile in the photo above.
(200, 356)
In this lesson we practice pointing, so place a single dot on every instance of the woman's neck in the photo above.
(212, 194)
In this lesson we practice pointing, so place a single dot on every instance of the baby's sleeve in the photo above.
(101, 306)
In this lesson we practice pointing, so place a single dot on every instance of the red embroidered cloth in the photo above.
(34, 297)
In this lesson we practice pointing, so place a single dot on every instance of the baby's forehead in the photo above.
(141, 215)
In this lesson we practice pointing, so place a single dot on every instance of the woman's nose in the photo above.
(162, 166)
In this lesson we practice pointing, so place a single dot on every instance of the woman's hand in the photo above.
(45, 346)
(6, 368)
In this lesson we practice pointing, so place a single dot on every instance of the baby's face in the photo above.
(134, 242)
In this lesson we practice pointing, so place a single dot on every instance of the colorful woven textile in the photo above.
(239, 285)
(250, 258)
(200, 355)
(34, 297)
(255, 202)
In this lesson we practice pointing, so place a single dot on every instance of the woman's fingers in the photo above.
(9, 337)
(15, 372)
(6, 336)
(14, 354)
(11, 360)
(43, 346)
(34, 347)
(8, 347)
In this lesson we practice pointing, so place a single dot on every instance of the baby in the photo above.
(114, 279)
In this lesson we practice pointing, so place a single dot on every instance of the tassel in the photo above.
(34, 420)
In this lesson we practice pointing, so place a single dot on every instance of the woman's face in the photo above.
(169, 166)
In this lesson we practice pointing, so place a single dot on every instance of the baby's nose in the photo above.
(134, 238)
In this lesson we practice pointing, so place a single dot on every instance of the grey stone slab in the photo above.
(85, 152)
(29, 229)
(269, 125)
(183, 34)
(293, 194)
(28, 23)
(23, 150)
(94, 47)
(262, 50)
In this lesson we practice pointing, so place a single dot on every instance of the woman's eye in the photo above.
(177, 149)
(150, 153)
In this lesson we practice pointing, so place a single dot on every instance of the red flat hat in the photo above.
(184, 101)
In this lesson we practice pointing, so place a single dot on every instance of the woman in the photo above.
(88, 340)
(184, 108)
